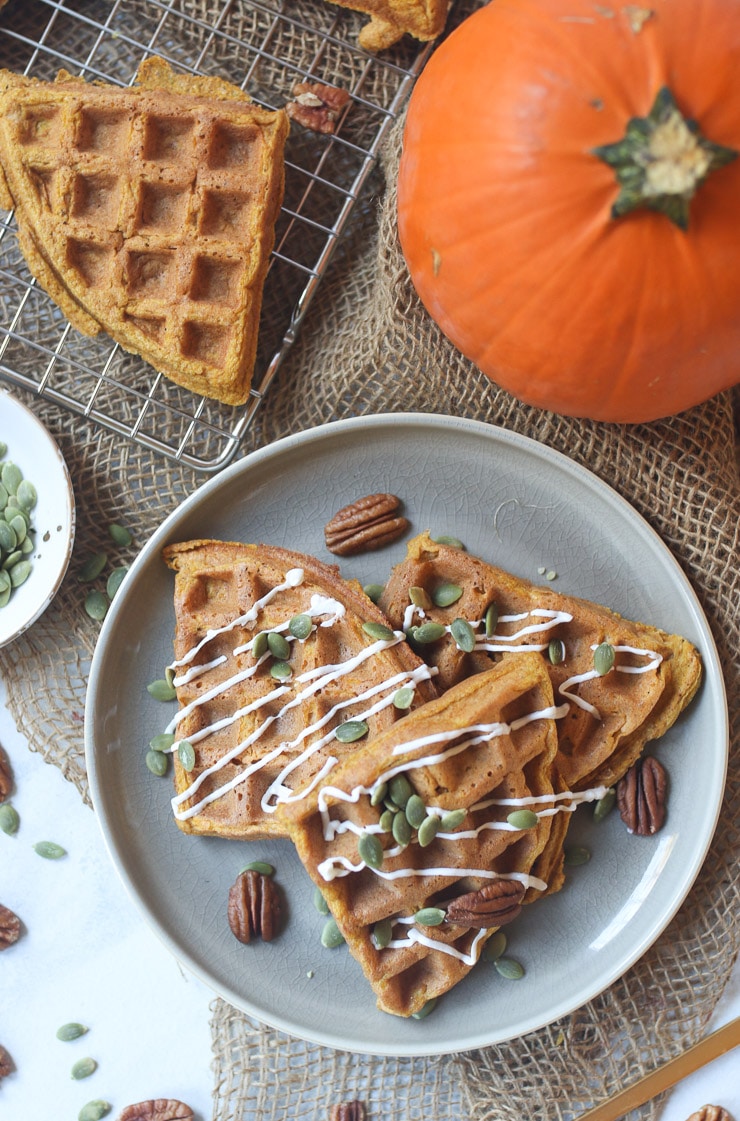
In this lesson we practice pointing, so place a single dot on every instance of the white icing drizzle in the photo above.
(416, 936)
(577, 679)
(196, 671)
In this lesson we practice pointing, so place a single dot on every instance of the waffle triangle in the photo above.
(148, 213)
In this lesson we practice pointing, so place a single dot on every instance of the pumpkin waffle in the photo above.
(611, 715)
(268, 705)
(490, 737)
(390, 20)
(148, 213)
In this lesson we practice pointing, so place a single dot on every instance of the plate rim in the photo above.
(319, 433)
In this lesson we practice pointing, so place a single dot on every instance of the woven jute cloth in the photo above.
(367, 347)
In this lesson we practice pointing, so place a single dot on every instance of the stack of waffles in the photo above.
(149, 213)
(426, 777)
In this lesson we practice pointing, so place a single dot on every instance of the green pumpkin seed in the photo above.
(8, 539)
(494, 947)
(378, 793)
(430, 916)
(425, 1010)
(428, 632)
(446, 539)
(18, 524)
(378, 631)
(115, 580)
(3, 450)
(373, 591)
(3, 497)
(300, 626)
(510, 969)
(259, 644)
(119, 535)
(4, 597)
(83, 1068)
(20, 572)
(603, 658)
(278, 645)
(523, 819)
(446, 594)
(4, 581)
(157, 762)
(319, 902)
(451, 820)
(490, 620)
(386, 820)
(169, 676)
(13, 559)
(420, 598)
(9, 819)
(96, 606)
(576, 855)
(370, 850)
(162, 742)
(27, 546)
(556, 651)
(351, 730)
(463, 634)
(68, 1032)
(428, 830)
(11, 477)
(403, 698)
(27, 494)
(161, 690)
(331, 935)
(605, 805)
(400, 790)
(281, 671)
(92, 567)
(186, 755)
(260, 866)
(401, 829)
(416, 811)
(94, 1111)
(382, 934)
(50, 850)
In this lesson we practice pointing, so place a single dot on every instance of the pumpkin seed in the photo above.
(4, 581)
(83, 1068)
(463, 634)
(451, 820)
(18, 524)
(420, 598)
(386, 820)
(12, 559)
(9, 819)
(157, 762)
(494, 947)
(68, 1032)
(400, 790)
(605, 805)
(523, 819)
(446, 539)
(3, 497)
(378, 631)
(425, 1009)
(401, 829)
(378, 793)
(260, 866)
(331, 935)
(115, 580)
(416, 811)
(96, 606)
(259, 644)
(319, 902)
(603, 658)
(382, 934)
(509, 968)
(119, 535)
(5, 596)
(161, 690)
(11, 477)
(351, 730)
(3, 450)
(373, 591)
(281, 671)
(94, 1111)
(403, 698)
(430, 916)
(50, 850)
(92, 567)
(19, 573)
(490, 620)
(370, 850)
(428, 632)
(8, 539)
(556, 651)
(186, 755)
(162, 742)
(428, 830)
(278, 645)
(446, 594)
(300, 626)
(27, 546)
(576, 855)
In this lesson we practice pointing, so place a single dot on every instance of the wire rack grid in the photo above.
(264, 47)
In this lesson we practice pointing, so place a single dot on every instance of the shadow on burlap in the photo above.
(368, 347)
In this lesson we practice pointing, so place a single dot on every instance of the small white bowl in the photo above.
(53, 518)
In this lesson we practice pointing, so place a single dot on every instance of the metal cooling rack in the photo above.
(265, 47)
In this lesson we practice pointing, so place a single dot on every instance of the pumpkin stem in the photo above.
(661, 161)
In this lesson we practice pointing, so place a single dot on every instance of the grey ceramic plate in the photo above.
(519, 505)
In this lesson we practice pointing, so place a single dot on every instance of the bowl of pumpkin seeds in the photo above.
(37, 517)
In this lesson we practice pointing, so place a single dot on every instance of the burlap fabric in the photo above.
(368, 346)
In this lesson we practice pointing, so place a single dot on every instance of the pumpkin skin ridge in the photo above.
(703, 325)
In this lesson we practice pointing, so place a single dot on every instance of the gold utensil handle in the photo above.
(716, 1044)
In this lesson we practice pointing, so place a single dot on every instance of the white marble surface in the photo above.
(87, 955)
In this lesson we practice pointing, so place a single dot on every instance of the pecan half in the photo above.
(254, 907)
(495, 904)
(7, 1065)
(369, 523)
(157, 1109)
(6, 776)
(710, 1113)
(348, 1111)
(641, 796)
(10, 927)
(317, 106)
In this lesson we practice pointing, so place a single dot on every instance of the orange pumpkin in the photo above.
(586, 273)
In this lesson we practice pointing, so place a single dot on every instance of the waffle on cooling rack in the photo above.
(391, 19)
(148, 213)
(266, 720)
